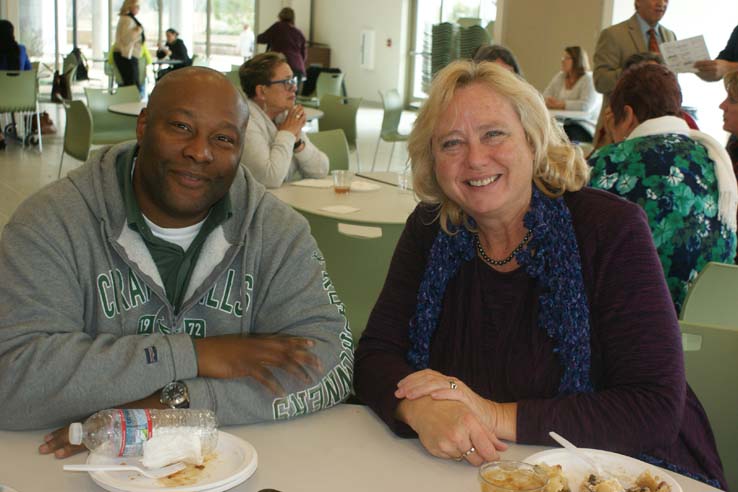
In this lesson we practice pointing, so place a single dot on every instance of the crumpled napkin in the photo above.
(166, 448)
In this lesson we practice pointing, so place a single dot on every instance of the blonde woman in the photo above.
(516, 302)
(129, 39)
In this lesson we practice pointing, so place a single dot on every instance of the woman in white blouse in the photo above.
(572, 89)
(275, 148)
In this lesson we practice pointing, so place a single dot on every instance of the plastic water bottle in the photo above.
(122, 432)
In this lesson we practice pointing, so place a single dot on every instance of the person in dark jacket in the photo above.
(283, 37)
(174, 49)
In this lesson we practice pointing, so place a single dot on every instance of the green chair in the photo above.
(711, 363)
(327, 84)
(107, 127)
(19, 94)
(77, 132)
(198, 61)
(235, 80)
(357, 260)
(333, 144)
(340, 113)
(392, 104)
(712, 297)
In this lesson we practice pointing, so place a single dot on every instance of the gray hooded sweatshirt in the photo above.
(85, 323)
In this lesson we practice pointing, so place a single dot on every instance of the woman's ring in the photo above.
(466, 453)
(452, 384)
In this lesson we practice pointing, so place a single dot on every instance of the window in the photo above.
(429, 12)
(688, 19)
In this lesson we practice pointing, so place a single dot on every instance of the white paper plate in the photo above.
(233, 462)
(624, 468)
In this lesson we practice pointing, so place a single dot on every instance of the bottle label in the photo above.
(135, 429)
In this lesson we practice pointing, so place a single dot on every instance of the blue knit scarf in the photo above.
(551, 257)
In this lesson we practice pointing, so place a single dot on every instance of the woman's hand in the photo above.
(553, 103)
(295, 121)
(500, 418)
(448, 429)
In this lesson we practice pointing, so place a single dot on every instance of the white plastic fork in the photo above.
(584, 457)
(152, 473)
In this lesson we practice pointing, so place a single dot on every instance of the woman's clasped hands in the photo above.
(451, 420)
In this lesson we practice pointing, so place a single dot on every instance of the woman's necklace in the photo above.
(507, 260)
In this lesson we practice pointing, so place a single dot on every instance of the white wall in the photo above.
(338, 23)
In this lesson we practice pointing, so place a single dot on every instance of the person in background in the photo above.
(13, 56)
(163, 275)
(572, 89)
(650, 57)
(520, 301)
(129, 38)
(730, 116)
(498, 54)
(726, 61)
(277, 150)
(246, 42)
(283, 37)
(682, 178)
(641, 32)
(174, 49)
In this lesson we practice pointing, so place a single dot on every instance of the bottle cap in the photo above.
(75, 433)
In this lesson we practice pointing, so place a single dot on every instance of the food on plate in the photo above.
(557, 482)
(644, 483)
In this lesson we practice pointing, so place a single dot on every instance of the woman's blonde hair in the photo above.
(127, 6)
(558, 166)
(731, 84)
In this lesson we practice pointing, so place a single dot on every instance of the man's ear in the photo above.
(630, 118)
(141, 125)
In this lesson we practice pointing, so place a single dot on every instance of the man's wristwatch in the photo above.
(298, 142)
(175, 395)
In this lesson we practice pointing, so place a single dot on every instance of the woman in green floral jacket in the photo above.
(682, 178)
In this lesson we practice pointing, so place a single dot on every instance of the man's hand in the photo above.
(713, 70)
(236, 356)
(57, 442)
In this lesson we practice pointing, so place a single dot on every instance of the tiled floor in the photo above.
(25, 170)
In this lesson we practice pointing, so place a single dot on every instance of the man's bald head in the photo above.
(189, 82)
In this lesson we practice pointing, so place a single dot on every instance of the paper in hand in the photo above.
(681, 55)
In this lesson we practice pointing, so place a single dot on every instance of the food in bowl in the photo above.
(503, 476)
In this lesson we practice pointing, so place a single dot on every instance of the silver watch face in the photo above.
(175, 395)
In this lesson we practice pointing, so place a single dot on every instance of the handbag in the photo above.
(59, 88)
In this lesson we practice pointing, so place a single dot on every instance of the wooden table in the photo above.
(387, 205)
(343, 449)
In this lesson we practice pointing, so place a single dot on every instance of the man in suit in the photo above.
(642, 32)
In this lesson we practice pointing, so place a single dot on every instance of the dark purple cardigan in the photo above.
(488, 337)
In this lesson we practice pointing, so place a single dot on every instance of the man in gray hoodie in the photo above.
(161, 274)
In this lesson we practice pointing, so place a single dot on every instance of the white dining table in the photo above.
(342, 449)
(128, 108)
(134, 108)
(565, 114)
(385, 205)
